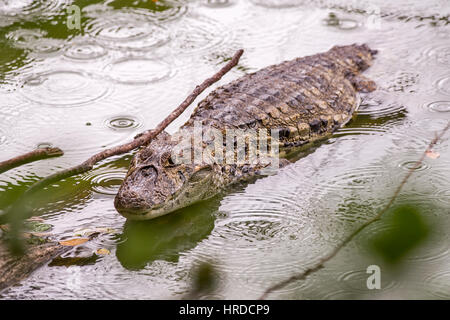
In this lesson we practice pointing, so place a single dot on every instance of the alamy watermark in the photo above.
(374, 280)
(74, 17)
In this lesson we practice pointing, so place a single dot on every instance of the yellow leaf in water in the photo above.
(73, 242)
(103, 251)
(431, 154)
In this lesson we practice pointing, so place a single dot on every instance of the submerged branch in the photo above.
(38, 154)
(22, 209)
(332, 254)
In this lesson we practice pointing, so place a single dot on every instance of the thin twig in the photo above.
(334, 252)
(38, 154)
(140, 140)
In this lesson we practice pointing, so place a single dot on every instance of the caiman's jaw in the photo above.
(137, 203)
(144, 212)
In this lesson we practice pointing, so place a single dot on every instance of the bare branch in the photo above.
(38, 154)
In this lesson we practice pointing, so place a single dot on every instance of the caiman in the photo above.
(304, 100)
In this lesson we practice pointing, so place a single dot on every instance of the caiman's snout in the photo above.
(130, 203)
(134, 196)
(152, 183)
(149, 190)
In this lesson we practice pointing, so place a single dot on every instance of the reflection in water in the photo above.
(166, 237)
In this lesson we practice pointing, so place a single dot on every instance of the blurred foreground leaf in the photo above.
(407, 229)
(204, 278)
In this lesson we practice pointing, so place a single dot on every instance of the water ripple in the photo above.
(413, 165)
(341, 23)
(127, 31)
(443, 85)
(439, 106)
(438, 284)
(123, 122)
(108, 182)
(139, 70)
(85, 51)
(416, 135)
(354, 180)
(256, 30)
(64, 88)
(28, 7)
(2, 136)
(198, 33)
(276, 4)
(260, 275)
(218, 3)
(404, 81)
(163, 10)
(437, 251)
(439, 53)
(35, 40)
(356, 281)
(443, 196)
(380, 108)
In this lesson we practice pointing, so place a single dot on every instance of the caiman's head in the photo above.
(155, 185)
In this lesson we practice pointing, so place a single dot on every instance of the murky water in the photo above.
(132, 62)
